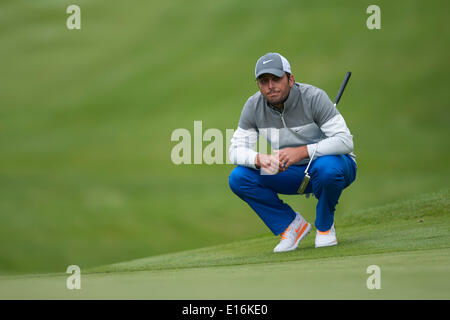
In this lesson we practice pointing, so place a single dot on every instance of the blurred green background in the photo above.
(86, 116)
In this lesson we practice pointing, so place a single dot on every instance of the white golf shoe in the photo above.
(326, 238)
(291, 237)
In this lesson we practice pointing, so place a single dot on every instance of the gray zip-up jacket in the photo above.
(308, 117)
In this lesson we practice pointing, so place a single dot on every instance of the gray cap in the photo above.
(273, 63)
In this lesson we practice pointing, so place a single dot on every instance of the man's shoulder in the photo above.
(311, 95)
(308, 90)
(254, 100)
(250, 111)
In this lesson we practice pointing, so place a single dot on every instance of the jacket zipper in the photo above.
(282, 119)
(281, 115)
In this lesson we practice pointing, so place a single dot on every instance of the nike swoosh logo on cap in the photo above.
(267, 61)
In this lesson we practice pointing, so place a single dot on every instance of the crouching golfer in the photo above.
(293, 117)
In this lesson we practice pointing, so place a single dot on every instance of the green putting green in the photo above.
(412, 252)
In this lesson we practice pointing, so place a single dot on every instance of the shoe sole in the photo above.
(305, 233)
(334, 243)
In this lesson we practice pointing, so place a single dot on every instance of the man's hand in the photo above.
(281, 159)
(268, 163)
(289, 156)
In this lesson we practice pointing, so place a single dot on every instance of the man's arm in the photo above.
(242, 152)
(243, 144)
(242, 149)
(337, 138)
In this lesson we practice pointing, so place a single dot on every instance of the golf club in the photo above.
(307, 177)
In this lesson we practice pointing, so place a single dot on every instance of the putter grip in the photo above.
(304, 184)
(341, 90)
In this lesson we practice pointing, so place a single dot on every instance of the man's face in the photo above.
(275, 89)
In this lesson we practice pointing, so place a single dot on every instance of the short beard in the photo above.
(280, 101)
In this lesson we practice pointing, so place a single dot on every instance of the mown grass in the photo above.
(415, 224)
(411, 250)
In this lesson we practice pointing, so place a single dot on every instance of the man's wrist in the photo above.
(303, 150)
(310, 149)
(257, 161)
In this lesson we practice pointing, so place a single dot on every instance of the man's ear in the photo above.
(291, 80)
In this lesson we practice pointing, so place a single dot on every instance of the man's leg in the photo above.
(261, 193)
(329, 176)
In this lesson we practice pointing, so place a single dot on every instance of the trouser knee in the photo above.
(238, 180)
(329, 176)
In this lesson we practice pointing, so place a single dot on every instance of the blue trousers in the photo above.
(329, 176)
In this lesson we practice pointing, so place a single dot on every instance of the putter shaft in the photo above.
(306, 179)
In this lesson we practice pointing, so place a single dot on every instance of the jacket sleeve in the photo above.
(242, 149)
(337, 137)
(243, 143)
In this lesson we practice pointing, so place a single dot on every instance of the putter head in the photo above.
(304, 184)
